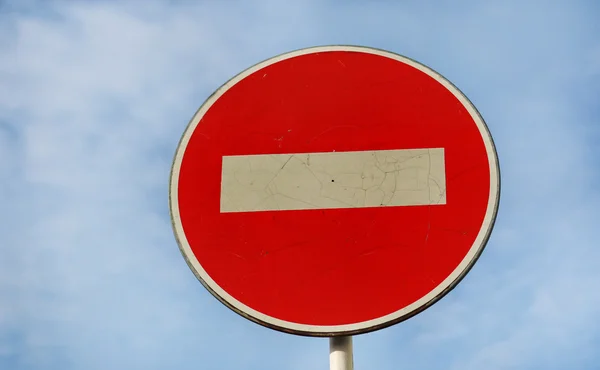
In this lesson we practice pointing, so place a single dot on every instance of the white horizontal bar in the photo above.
(285, 182)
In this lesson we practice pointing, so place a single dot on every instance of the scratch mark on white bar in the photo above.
(286, 182)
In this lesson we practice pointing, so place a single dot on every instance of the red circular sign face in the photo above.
(334, 190)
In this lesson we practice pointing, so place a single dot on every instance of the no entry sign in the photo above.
(334, 190)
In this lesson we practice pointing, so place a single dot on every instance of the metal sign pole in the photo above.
(340, 353)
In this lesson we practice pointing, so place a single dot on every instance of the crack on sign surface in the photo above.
(333, 180)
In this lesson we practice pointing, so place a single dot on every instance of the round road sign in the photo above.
(334, 190)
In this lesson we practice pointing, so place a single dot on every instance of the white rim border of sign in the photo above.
(361, 327)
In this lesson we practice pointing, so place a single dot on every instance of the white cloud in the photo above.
(94, 96)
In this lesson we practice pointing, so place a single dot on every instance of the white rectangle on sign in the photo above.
(380, 178)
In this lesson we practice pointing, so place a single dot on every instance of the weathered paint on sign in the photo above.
(334, 190)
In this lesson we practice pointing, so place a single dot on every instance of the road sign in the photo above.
(334, 190)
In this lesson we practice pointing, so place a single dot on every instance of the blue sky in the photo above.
(94, 96)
